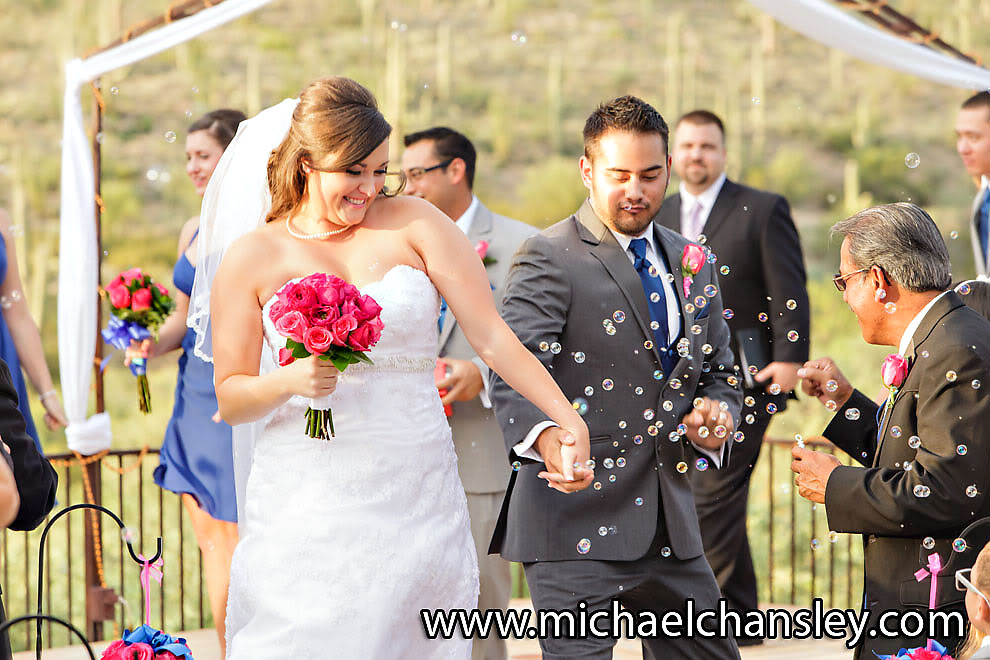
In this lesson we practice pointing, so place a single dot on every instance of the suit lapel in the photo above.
(608, 251)
(673, 252)
(480, 230)
(670, 213)
(724, 204)
(949, 302)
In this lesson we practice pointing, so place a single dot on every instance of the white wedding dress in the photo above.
(343, 542)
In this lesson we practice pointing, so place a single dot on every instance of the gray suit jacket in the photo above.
(570, 284)
(981, 264)
(477, 437)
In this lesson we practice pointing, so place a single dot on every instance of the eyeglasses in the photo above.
(840, 280)
(963, 584)
(416, 173)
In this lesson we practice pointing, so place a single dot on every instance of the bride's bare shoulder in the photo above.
(403, 210)
(256, 248)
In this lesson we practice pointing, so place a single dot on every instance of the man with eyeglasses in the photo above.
(439, 164)
(924, 453)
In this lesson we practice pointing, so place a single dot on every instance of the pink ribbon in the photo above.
(151, 570)
(934, 568)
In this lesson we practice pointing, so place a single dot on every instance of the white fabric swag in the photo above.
(78, 249)
(827, 24)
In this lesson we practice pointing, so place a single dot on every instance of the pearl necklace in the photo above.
(322, 234)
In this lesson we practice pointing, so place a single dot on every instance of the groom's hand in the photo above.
(463, 382)
(710, 416)
(561, 451)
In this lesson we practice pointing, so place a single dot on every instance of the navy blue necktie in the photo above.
(983, 224)
(656, 300)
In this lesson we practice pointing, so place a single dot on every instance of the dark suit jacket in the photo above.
(569, 284)
(751, 231)
(896, 508)
(36, 478)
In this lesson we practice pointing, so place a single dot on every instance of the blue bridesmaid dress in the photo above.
(197, 454)
(8, 353)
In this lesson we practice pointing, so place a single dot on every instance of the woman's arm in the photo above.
(235, 314)
(25, 332)
(460, 276)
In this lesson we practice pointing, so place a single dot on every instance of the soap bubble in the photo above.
(852, 414)
(912, 160)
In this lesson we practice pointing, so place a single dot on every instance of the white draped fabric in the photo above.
(78, 245)
(824, 22)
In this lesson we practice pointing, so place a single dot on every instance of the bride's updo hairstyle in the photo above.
(335, 126)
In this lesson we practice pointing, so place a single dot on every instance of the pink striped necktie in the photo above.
(695, 225)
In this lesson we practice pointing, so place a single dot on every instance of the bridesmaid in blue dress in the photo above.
(196, 454)
(20, 340)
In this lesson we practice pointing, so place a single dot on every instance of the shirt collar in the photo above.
(915, 322)
(706, 198)
(624, 239)
(464, 222)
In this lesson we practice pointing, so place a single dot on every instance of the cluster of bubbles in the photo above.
(518, 38)
(6, 302)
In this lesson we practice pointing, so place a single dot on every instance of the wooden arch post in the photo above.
(100, 599)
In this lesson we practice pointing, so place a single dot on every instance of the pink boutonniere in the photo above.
(893, 371)
(482, 249)
(691, 262)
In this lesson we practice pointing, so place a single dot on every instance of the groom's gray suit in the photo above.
(569, 285)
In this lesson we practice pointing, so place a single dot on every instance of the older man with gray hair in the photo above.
(925, 452)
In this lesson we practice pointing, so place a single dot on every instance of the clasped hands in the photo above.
(566, 457)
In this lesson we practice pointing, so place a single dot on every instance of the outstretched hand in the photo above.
(822, 379)
(565, 457)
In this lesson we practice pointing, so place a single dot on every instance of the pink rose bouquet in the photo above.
(691, 262)
(138, 307)
(325, 316)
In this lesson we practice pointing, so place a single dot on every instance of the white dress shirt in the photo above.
(467, 218)
(915, 322)
(525, 448)
(706, 199)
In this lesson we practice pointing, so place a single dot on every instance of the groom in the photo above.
(630, 324)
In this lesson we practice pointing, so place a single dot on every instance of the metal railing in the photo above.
(794, 555)
(126, 487)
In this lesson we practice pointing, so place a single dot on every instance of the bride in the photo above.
(344, 542)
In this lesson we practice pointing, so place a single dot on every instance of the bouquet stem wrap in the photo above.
(319, 418)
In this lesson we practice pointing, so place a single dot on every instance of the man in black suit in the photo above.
(763, 284)
(925, 453)
(642, 350)
(33, 476)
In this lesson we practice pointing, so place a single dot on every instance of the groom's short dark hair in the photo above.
(626, 113)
